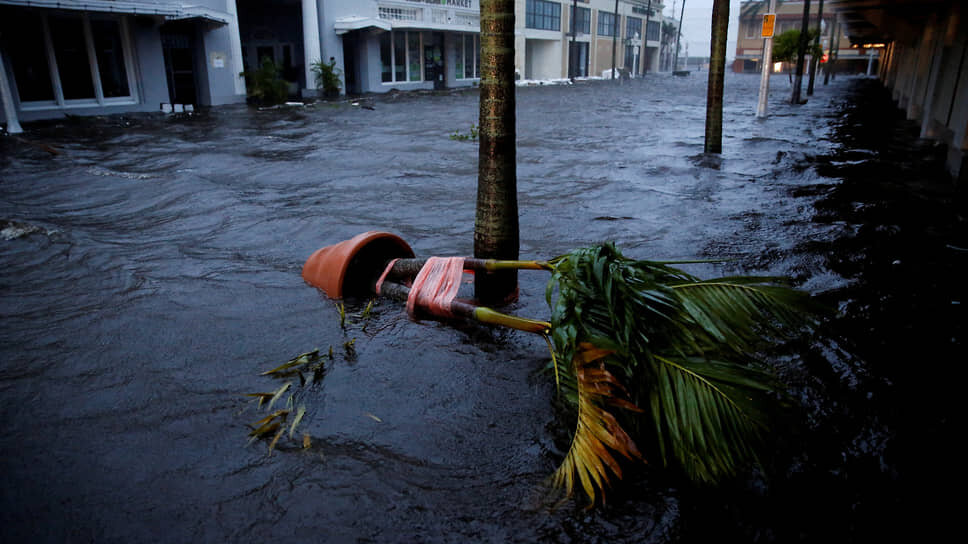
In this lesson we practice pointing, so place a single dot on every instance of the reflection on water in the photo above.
(156, 274)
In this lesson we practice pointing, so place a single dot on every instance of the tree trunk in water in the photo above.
(717, 71)
(801, 52)
(496, 227)
(814, 62)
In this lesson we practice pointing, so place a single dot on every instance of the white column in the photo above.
(311, 49)
(236, 43)
(13, 125)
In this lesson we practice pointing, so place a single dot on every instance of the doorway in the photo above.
(434, 59)
(178, 46)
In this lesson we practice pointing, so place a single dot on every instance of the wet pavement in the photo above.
(150, 272)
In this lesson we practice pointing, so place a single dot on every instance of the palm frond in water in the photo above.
(682, 346)
(589, 459)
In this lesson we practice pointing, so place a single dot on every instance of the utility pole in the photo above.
(801, 52)
(572, 53)
(614, 38)
(767, 67)
(645, 38)
(814, 61)
(675, 62)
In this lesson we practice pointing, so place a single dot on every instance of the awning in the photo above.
(348, 24)
(171, 11)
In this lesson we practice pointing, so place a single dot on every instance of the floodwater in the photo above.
(150, 273)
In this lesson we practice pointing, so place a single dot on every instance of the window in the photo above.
(653, 31)
(633, 27)
(606, 23)
(584, 20)
(28, 58)
(59, 60)
(751, 28)
(543, 15)
(468, 57)
(400, 57)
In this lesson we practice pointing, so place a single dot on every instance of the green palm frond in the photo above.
(682, 346)
(709, 415)
(589, 459)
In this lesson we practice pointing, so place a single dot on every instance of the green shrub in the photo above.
(265, 85)
(327, 77)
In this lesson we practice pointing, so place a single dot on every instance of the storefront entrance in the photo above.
(178, 47)
(434, 59)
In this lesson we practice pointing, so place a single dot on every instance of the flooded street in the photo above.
(150, 272)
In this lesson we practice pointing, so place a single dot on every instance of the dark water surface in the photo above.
(156, 274)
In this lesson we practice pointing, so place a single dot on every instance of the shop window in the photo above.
(606, 23)
(400, 57)
(28, 57)
(584, 20)
(70, 52)
(653, 31)
(468, 57)
(61, 60)
(110, 58)
(543, 15)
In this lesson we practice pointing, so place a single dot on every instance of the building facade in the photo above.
(87, 57)
(576, 39)
(109, 56)
(789, 16)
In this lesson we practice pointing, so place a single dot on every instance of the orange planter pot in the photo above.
(353, 266)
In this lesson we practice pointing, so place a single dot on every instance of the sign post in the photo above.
(769, 22)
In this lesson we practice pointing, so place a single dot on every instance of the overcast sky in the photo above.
(696, 25)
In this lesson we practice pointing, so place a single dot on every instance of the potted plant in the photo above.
(328, 77)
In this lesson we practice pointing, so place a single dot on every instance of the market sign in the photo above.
(768, 22)
(452, 3)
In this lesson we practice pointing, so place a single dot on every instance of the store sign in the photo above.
(768, 22)
(449, 3)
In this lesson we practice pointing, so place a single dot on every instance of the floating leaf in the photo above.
(297, 361)
(276, 439)
(278, 394)
(295, 421)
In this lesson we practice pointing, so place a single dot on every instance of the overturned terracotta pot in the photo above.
(352, 267)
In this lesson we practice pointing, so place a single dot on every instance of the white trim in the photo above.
(169, 10)
(347, 24)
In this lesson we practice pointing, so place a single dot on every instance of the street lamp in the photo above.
(633, 41)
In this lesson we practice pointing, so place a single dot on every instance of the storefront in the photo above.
(407, 44)
(104, 56)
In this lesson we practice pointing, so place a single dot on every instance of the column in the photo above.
(235, 42)
(311, 49)
(9, 111)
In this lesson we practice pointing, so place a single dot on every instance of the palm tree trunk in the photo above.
(496, 227)
(801, 52)
(717, 72)
(814, 62)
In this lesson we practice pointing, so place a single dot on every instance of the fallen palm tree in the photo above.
(641, 350)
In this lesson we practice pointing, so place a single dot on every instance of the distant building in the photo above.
(789, 16)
